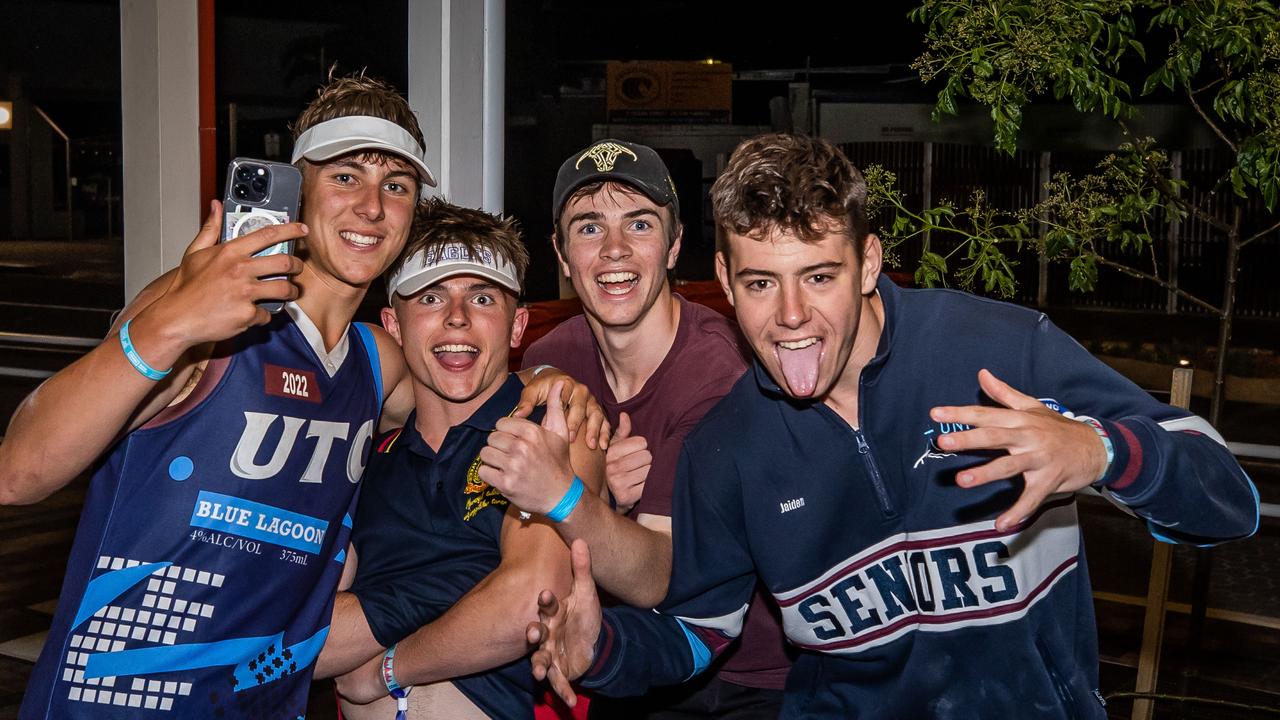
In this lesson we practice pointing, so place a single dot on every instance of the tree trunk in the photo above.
(1224, 321)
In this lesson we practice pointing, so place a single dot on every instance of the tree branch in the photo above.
(1132, 272)
(1259, 235)
(1221, 182)
(1211, 84)
(1166, 189)
(1204, 116)
(1196, 210)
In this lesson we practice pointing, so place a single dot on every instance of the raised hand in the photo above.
(1053, 453)
(567, 629)
(627, 465)
(529, 463)
(584, 413)
(214, 292)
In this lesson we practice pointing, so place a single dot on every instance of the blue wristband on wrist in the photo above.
(393, 687)
(131, 354)
(1106, 442)
(388, 670)
(568, 502)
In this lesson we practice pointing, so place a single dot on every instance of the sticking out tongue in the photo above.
(800, 368)
(456, 360)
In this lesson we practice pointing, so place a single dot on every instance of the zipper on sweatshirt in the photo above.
(864, 449)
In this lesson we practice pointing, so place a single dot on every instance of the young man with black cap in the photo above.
(657, 363)
(443, 565)
(202, 574)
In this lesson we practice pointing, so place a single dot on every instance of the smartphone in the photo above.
(260, 193)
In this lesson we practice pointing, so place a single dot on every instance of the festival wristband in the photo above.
(131, 354)
(402, 703)
(388, 670)
(1106, 442)
(567, 503)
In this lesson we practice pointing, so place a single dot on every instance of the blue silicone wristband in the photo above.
(568, 502)
(131, 354)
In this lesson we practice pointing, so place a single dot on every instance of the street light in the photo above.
(6, 115)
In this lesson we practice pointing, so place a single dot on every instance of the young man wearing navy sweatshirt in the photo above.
(898, 468)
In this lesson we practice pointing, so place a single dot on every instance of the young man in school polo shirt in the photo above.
(443, 565)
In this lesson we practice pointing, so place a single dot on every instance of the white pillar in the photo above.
(457, 63)
(159, 92)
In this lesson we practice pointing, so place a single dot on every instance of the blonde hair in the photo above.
(358, 95)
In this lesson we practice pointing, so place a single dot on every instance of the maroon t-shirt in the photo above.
(705, 360)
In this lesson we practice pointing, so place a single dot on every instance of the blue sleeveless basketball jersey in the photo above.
(202, 577)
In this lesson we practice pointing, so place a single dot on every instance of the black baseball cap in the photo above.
(619, 161)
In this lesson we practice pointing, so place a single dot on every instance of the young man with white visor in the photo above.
(443, 565)
(227, 443)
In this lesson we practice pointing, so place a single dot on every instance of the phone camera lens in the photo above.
(240, 191)
(244, 173)
(259, 185)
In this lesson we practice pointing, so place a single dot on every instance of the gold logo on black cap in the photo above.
(604, 155)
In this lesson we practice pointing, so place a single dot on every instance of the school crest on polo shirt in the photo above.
(479, 493)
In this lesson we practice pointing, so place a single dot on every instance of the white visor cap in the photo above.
(331, 138)
(428, 267)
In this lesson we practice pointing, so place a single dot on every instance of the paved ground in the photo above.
(54, 288)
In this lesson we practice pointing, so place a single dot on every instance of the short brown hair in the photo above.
(795, 183)
(437, 222)
(593, 188)
(358, 95)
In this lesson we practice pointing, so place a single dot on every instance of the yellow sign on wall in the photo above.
(665, 91)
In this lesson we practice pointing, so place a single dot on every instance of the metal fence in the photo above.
(1191, 252)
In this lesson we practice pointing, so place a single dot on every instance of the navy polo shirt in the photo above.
(427, 530)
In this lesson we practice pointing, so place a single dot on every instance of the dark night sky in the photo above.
(820, 33)
(67, 51)
(271, 55)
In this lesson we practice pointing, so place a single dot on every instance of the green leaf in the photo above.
(946, 102)
(1056, 243)
(1084, 274)
(1237, 182)
(901, 225)
(1138, 48)
(932, 270)
(1152, 82)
